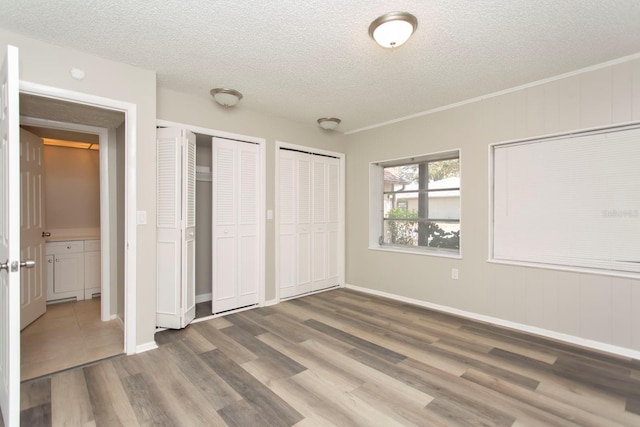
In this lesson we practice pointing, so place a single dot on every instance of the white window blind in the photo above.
(571, 200)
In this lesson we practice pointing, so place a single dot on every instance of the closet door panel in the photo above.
(309, 222)
(333, 221)
(319, 226)
(287, 254)
(248, 241)
(303, 231)
(170, 239)
(189, 230)
(235, 224)
(224, 227)
(224, 294)
(248, 274)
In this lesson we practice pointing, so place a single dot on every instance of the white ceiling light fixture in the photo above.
(226, 97)
(329, 123)
(393, 29)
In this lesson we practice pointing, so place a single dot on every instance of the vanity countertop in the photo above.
(61, 238)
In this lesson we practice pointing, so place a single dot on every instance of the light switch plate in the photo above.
(141, 217)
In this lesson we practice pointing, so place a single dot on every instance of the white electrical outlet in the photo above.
(454, 273)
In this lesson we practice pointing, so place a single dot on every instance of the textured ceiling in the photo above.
(309, 59)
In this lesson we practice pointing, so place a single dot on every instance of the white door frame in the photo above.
(103, 136)
(130, 265)
(341, 211)
(262, 150)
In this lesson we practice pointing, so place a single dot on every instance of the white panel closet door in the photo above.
(235, 249)
(309, 203)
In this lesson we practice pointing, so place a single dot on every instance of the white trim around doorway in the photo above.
(129, 110)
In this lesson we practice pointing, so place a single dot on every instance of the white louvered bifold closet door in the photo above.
(287, 223)
(235, 247)
(309, 194)
(175, 221)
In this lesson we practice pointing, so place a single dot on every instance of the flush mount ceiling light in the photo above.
(226, 97)
(393, 29)
(329, 123)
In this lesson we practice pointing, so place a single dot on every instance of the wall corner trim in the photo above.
(570, 339)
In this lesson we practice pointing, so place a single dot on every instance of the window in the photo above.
(568, 201)
(419, 203)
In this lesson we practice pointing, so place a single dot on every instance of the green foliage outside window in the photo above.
(406, 232)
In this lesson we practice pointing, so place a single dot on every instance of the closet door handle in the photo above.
(46, 234)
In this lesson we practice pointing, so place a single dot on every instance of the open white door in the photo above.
(10, 239)
(33, 294)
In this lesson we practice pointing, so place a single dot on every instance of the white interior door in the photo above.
(10, 239)
(33, 289)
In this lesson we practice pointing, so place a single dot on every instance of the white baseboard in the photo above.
(203, 298)
(571, 339)
(146, 347)
(271, 302)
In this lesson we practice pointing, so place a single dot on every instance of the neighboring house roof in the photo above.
(392, 177)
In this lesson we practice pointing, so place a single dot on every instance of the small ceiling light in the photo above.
(329, 123)
(226, 97)
(393, 29)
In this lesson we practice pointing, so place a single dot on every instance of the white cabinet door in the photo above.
(175, 299)
(68, 270)
(235, 235)
(69, 273)
(92, 268)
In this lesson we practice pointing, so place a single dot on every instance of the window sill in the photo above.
(427, 252)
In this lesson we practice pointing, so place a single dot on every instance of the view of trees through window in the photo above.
(422, 204)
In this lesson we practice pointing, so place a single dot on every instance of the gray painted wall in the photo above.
(595, 307)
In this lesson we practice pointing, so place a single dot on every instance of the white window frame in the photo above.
(376, 208)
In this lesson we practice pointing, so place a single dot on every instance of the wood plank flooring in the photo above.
(343, 358)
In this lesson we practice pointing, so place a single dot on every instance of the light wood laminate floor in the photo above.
(67, 335)
(342, 358)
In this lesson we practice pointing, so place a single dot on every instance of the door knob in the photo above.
(28, 263)
(4, 265)
(46, 234)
